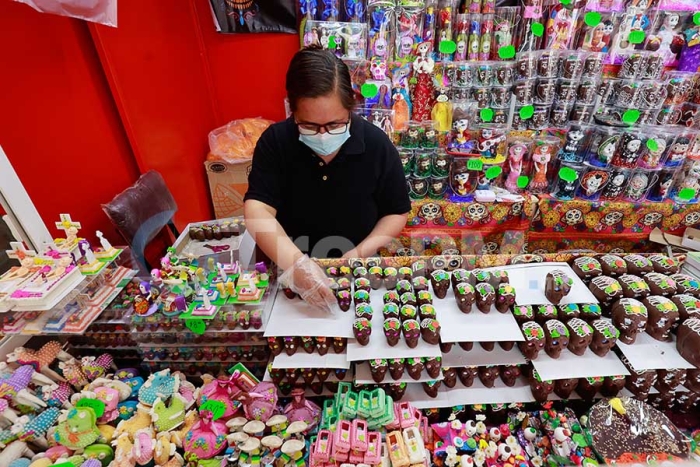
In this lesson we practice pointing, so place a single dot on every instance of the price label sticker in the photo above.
(537, 29)
(196, 325)
(636, 37)
(696, 17)
(96, 405)
(369, 90)
(652, 145)
(522, 181)
(568, 174)
(565, 2)
(592, 18)
(686, 194)
(63, 464)
(447, 47)
(493, 172)
(217, 408)
(631, 116)
(527, 112)
(506, 52)
(486, 114)
(475, 164)
(331, 42)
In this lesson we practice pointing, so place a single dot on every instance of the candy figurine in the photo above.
(517, 152)
(541, 157)
(423, 90)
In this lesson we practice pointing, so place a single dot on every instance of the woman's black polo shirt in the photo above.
(327, 209)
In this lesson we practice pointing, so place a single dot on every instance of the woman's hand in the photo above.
(307, 279)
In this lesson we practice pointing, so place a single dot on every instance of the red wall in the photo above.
(79, 98)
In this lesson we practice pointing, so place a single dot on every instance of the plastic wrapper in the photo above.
(345, 40)
(236, 141)
(96, 11)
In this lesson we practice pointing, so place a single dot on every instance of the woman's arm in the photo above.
(269, 235)
(387, 229)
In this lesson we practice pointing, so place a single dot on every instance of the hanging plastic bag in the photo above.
(236, 141)
(97, 11)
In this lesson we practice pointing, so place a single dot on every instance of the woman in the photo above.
(324, 177)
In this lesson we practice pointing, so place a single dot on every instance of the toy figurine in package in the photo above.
(504, 22)
(561, 25)
(592, 183)
(462, 180)
(687, 187)
(489, 144)
(461, 36)
(529, 39)
(409, 30)
(444, 27)
(355, 10)
(381, 30)
(423, 91)
(690, 53)
(566, 181)
(460, 141)
(660, 190)
(543, 152)
(597, 36)
(516, 163)
(574, 146)
(346, 40)
(615, 187)
(603, 146)
(666, 37)
(634, 27)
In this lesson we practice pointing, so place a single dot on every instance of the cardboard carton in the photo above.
(228, 184)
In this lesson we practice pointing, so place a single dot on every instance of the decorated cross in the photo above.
(66, 223)
(18, 251)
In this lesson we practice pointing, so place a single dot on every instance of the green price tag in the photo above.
(527, 112)
(196, 325)
(369, 90)
(537, 29)
(696, 17)
(331, 42)
(506, 52)
(686, 194)
(97, 406)
(475, 164)
(592, 18)
(636, 37)
(565, 2)
(568, 174)
(447, 47)
(217, 408)
(493, 172)
(522, 181)
(631, 116)
(652, 145)
(486, 114)
(63, 464)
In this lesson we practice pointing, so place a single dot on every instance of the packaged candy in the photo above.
(661, 188)
(529, 38)
(561, 25)
(567, 180)
(409, 27)
(619, 177)
(593, 181)
(504, 22)
(526, 65)
(474, 38)
(666, 36)
(575, 143)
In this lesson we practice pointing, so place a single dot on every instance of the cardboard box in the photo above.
(228, 184)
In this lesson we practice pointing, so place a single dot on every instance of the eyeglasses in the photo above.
(333, 128)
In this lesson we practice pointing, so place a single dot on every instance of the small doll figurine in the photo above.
(592, 183)
(541, 157)
(637, 187)
(441, 164)
(442, 112)
(679, 149)
(485, 44)
(614, 188)
(629, 151)
(402, 109)
(690, 181)
(423, 91)
(460, 141)
(659, 191)
(652, 157)
(483, 183)
(606, 151)
(460, 181)
(572, 145)
(516, 156)
(488, 143)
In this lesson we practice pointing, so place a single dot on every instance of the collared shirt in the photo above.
(327, 209)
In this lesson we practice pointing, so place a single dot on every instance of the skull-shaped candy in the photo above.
(488, 375)
(630, 317)
(581, 336)
(510, 374)
(663, 315)
(557, 336)
(605, 336)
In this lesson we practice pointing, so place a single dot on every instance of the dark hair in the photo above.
(314, 72)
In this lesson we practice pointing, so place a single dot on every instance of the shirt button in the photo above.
(325, 178)
(320, 164)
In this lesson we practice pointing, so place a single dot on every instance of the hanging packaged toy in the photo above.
(474, 37)
(444, 29)
(423, 91)
(561, 25)
(381, 30)
(531, 27)
(486, 35)
(355, 10)
(461, 37)
(667, 36)
(409, 29)
(635, 24)
(504, 26)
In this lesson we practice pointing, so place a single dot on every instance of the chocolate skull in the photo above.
(488, 375)
(564, 387)
(605, 336)
(663, 315)
(581, 336)
(669, 380)
(630, 317)
(557, 336)
(467, 374)
(510, 374)
(534, 340)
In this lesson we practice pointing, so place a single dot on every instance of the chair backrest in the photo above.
(141, 211)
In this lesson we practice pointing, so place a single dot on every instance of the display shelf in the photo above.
(475, 326)
(476, 394)
(208, 331)
(363, 375)
(569, 365)
(206, 344)
(458, 357)
(649, 354)
(297, 318)
(311, 360)
(66, 285)
(529, 282)
(332, 378)
(213, 360)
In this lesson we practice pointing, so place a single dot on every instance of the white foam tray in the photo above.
(302, 359)
(649, 354)
(457, 357)
(476, 394)
(569, 365)
(363, 375)
(529, 282)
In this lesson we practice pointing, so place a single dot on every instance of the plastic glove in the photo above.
(306, 278)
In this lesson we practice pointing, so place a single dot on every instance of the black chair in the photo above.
(140, 212)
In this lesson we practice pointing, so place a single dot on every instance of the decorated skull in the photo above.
(430, 211)
(651, 218)
(691, 218)
(612, 218)
(573, 217)
(477, 212)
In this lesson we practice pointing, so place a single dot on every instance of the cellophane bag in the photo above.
(236, 141)
(96, 11)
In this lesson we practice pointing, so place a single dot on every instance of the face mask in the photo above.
(325, 144)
